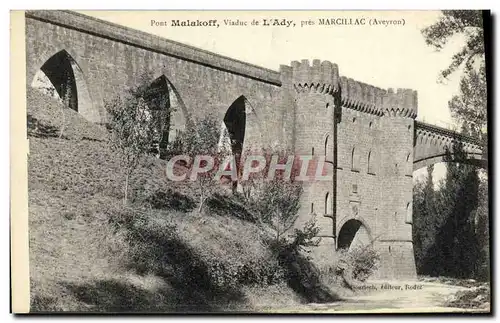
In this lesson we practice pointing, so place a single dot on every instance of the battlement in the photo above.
(370, 99)
(403, 103)
(362, 97)
(321, 77)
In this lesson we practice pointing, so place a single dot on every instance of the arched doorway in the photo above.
(62, 78)
(352, 234)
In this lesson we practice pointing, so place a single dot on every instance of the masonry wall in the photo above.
(111, 65)
(394, 223)
(292, 108)
(358, 186)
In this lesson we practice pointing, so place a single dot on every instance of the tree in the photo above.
(469, 108)
(425, 222)
(275, 197)
(456, 240)
(66, 100)
(278, 203)
(457, 244)
(452, 22)
(201, 139)
(132, 128)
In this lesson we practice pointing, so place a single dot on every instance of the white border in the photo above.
(191, 4)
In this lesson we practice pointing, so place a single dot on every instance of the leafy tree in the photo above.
(482, 231)
(67, 90)
(469, 108)
(425, 220)
(132, 128)
(278, 203)
(277, 199)
(452, 22)
(202, 138)
(456, 242)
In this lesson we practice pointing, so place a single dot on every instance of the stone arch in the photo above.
(61, 77)
(164, 98)
(234, 123)
(240, 130)
(353, 233)
(475, 159)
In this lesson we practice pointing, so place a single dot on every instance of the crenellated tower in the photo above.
(314, 93)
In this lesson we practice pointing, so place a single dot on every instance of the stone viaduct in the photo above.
(369, 136)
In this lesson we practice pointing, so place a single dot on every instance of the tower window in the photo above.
(354, 160)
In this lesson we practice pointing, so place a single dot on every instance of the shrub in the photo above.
(170, 199)
(277, 202)
(249, 272)
(358, 263)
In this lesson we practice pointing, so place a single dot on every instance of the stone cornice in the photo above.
(101, 28)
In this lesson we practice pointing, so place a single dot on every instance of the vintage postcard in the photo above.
(250, 161)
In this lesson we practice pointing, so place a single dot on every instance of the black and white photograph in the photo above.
(275, 162)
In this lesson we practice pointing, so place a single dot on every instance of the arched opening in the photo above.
(409, 210)
(408, 165)
(353, 234)
(158, 101)
(232, 134)
(354, 160)
(328, 204)
(235, 123)
(62, 78)
(312, 208)
(326, 144)
(370, 166)
(168, 113)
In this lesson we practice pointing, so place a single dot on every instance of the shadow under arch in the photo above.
(61, 77)
(353, 232)
(169, 112)
(474, 159)
(241, 128)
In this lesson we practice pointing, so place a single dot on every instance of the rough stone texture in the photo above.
(377, 140)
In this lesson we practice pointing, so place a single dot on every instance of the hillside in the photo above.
(88, 252)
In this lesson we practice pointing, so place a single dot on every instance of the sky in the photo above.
(385, 56)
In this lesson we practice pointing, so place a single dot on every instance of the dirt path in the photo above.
(384, 297)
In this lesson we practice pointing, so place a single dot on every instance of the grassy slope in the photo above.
(80, 261)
